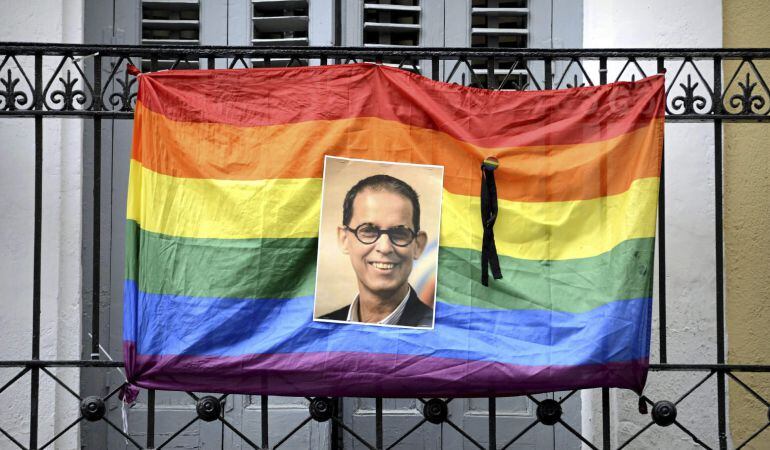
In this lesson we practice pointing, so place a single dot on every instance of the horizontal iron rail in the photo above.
(130, 115)
(683, 105)
(655, 367)
(424, 52)
(96, 98)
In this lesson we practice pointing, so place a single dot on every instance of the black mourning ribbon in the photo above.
(489, 258)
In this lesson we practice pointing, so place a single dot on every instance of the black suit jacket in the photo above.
(416, 313)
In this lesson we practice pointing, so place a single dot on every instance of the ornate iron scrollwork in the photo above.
(69, 94)
(634, 64)
(472, 79)
(12, 98)
(576, 80)
(749, 103)
(9, 93)
(754, 93)
(124, 98)
(691, 102)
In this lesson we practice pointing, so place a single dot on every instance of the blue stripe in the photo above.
(176, 325)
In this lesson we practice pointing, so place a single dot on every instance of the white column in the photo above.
(690, 241)
(41, 21)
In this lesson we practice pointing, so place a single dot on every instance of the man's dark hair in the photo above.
(382, 183)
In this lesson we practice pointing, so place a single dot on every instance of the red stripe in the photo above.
(253, 97)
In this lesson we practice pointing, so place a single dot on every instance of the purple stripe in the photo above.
(355, 374)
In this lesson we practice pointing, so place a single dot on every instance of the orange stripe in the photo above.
(538, 173)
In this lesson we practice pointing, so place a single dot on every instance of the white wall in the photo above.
(40, 21)
(690, 254)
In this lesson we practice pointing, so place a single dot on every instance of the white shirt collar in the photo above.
(392, 318)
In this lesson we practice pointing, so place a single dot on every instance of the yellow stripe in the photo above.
(225, 209)
(289, 208)
(554, 230)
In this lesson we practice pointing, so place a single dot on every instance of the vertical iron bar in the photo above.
(97, 121)
(603, 70)
(662, 247)
(222, 428)
(96, 253)
(717, 101)
(378, 421)
(222, 425)
(211, 63)
(38, 211)
(337, 442)
(151, 418)
(492, 423)
(33, 404)
(719, 282)
(548, 82)
(721, 393)
(719, 238)
(264, 413)
(324, 60)
(434, 68)
(491, 80)
(97, 83)
(38, 222)
(606, 444)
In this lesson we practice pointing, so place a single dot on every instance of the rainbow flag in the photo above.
(223, 216)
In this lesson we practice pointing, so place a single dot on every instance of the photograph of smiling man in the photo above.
(378, 243)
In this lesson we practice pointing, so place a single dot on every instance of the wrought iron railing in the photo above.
(40, 81)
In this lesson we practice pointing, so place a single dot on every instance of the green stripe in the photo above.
(239, 268)
(573, 285)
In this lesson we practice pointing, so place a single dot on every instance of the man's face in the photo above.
(382, 268)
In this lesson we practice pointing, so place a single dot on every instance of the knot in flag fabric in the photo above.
(222, 234)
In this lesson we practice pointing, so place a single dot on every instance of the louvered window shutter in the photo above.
(170, 22)
(279, 22)
(391, 23)
(500, 24)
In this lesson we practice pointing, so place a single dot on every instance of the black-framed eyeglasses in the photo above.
(367, 233)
